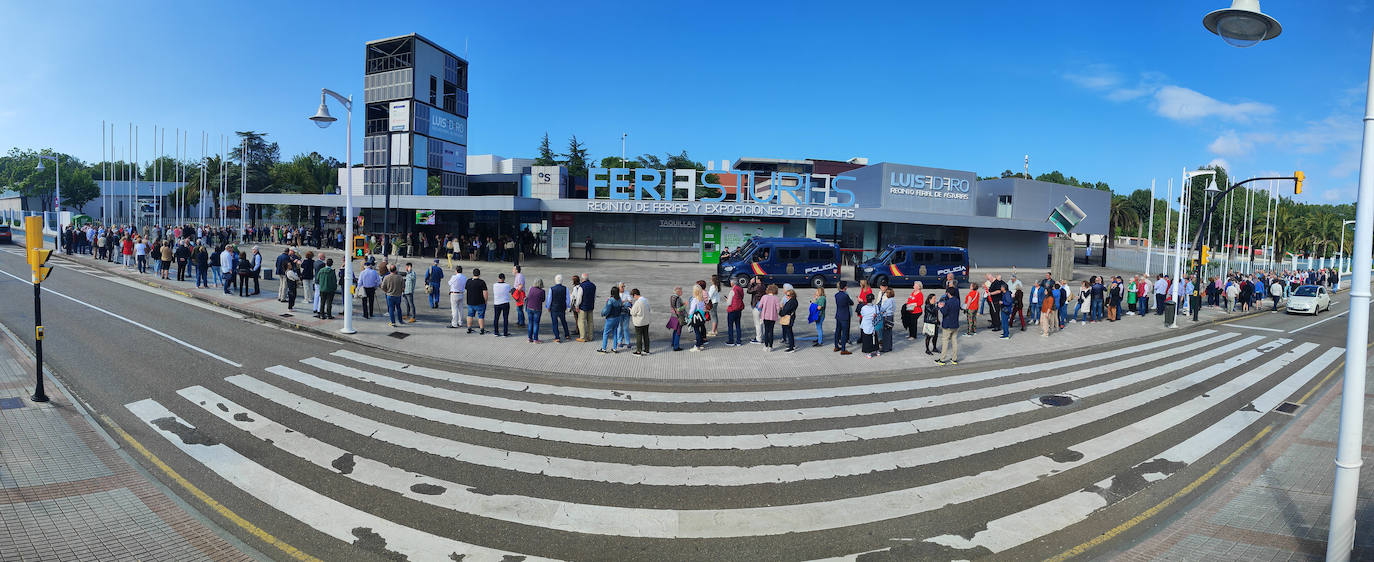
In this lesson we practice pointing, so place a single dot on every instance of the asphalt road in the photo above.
(384, 457)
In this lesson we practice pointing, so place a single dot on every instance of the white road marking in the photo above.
(1013, 530)
(753, 441)
(174, 339)
(726, 475)
(1254, 328)
(760, 395)
(747, 416)
(1327, 319)
(316, 510)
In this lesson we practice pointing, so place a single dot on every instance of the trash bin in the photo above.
(1169, 310)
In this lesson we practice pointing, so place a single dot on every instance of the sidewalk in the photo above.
(1278, 505)
(67, 492)
(430, 337)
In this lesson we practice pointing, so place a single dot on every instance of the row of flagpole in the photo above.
(1174, 250)
(124, 170)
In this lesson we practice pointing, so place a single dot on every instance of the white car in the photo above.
(1309, 299)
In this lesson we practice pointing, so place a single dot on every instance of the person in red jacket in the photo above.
(734, 309)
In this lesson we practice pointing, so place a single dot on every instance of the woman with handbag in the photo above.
(768, 312)
(787, 315)
(931, 325)
(677, 317)
(911, 314)
(610, 331)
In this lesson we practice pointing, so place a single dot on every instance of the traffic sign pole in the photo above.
(37, 256)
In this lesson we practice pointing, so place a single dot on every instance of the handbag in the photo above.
(673, 324)
(928, 329)
(429, 289)
(786, 320)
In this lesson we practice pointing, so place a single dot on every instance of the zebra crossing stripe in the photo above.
(1021, 527)
(318, 511)
(746, 441)
(746, 416)
(816, 516)
(727, 475)
(762, 395)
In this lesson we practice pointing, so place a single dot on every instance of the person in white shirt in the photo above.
(226, 267)
(455, 297)
(500, 299)
(1161, 288)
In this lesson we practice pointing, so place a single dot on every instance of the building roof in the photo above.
(422, 38)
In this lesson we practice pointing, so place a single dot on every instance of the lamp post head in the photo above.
(40, 165)
(322, 118)
(1242, 25)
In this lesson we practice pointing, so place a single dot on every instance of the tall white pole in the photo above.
(1249, 231)
(1168, 212)
(1150, 230)
(243, 186)
(1341, 539)
(348, 226)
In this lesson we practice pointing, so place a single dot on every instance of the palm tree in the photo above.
(1123, 214)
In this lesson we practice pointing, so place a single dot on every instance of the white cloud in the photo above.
(1182, 104)
(1220, 162)
(1095, 77)
(1236, 145)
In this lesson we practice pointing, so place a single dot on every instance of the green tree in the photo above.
(78, 189)
(546, 156)
(576, 157)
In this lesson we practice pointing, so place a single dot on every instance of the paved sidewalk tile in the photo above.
(430, 337)
(65, 494)
(1275, 507)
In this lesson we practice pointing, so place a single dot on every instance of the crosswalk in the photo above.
(416, 460)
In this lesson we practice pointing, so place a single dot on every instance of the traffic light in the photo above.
(37, 255)
(359, 247)
(1298, 177)
(1206, 254)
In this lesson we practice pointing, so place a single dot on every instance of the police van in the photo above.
(799, 261)
(903, 266)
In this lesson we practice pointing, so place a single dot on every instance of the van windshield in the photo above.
(886, 253)
(743, 251)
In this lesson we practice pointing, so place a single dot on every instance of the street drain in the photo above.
(399, 335)
(1288, 408)
(1056, 400)
(287, 315)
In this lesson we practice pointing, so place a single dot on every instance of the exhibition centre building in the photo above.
(417, 177)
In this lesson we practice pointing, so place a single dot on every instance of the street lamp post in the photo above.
(1345, 258)
(324, 119)
(57, 194)
(1243, 25)
(1206, 218)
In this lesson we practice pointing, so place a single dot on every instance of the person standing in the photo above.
(141, 254)
(756, 292)
(869, 316)
(307, 268)
(819, 301)
(433, 277)
(768, 308)
(227, 267)
(996, 288)
(696, 315)
(971, 301)
(500, 300)
(610, 329)
(456, 285)
(787, 317)
(843, 304)
(558, 309)
(408, 295)
(931, 328)
(476, 291)
(256, 271)
(1047, 320)
(949, 327)
(293, 281)
(279, 268)
(713, 294)
(889, 310)
(1161, 289)
(201, 258)
(678, 309)
(183, 257)
(534, 307)
(586, 306)
(518, 289)
(587, 247)
(393, 286)
(245, 267)
(368, 280)
(734, 310)
(327, 283)
(639, 316)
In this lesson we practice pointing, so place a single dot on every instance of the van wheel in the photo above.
(742, 280)
(878, 281)
(817, 282)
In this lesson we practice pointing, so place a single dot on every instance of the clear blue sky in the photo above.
(1106, 91)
